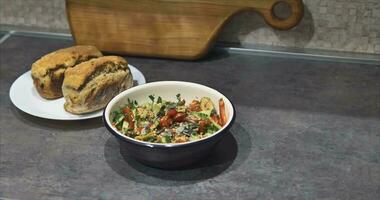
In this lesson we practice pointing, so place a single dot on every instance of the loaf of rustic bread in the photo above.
(90, 85)
(48, 72)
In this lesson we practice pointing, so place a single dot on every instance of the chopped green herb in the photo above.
(151, 97)
(161, 113)
(159, 100)
(171, 105)
(166, 139)
(118, 118)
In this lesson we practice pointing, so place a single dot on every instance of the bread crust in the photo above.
(90, 85)
(48, 71)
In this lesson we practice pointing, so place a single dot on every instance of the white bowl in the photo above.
(175, 154)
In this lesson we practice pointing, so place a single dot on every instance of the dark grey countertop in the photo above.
(305, 129)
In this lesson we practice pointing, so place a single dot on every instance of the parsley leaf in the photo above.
(161, 113)
(159, 100)
(171, 105)
(151, 97)
(131, 104)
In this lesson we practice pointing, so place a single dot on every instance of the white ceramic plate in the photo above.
(24, 96)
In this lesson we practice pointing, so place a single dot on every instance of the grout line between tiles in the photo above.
(374, 60)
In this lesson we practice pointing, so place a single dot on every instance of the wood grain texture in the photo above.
(179, 29)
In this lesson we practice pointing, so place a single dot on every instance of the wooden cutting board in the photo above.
(180, 29)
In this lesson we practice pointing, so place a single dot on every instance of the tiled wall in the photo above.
(49, 15)
(342, 25)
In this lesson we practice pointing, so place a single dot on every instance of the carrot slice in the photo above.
(222, 110)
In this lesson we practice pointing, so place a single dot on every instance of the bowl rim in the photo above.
(123, 137)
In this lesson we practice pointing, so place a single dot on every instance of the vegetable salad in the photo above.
(161, 121)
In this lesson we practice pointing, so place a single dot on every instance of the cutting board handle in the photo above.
(265, 8)
(297, 10)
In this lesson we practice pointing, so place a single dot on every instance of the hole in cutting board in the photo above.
(282, 10)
